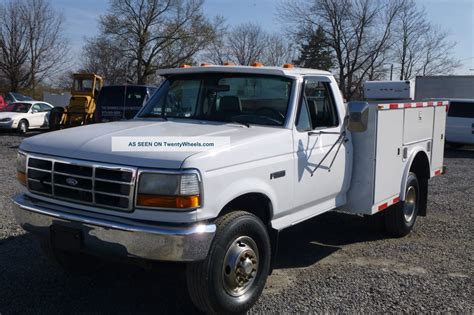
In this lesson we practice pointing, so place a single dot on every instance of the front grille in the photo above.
(106, 186)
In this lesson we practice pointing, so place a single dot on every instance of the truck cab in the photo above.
(216, 164)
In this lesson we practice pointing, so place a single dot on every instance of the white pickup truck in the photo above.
(295, 151)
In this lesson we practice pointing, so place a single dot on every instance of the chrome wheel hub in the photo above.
(240, 266)
(409, 205)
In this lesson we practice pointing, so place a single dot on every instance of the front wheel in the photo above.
(401, 217)
(23, 127)
(232, 277)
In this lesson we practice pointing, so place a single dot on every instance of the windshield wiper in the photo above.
(153, 115)
(240, 123)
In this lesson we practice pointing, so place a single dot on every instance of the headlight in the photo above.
(5, 119)
(21, 167)
(163, 190)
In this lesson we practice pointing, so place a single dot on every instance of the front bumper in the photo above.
(6, 125)
(103, 235)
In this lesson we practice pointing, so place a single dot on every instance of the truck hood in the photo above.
(94, 142)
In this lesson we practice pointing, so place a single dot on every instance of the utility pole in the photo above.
(391, 72)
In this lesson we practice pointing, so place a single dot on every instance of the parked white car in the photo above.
(460, 122)
(26, 115)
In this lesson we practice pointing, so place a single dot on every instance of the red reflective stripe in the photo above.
(440, 103)
(438, 172)
(383, 206)
(397, 199)
(407, 105)
(419, 104)
(447, 108)
(430, 104)
(393, 106)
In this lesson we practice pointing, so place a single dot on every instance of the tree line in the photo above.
(357, 40)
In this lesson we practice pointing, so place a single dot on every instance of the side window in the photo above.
(322, 110)
(36, 108)
(44, 107)
(304, 122)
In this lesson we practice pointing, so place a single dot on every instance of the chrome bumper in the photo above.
(104, 236)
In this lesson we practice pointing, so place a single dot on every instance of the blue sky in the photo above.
(454, 16)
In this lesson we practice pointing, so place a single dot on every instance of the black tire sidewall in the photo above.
(20, 130)
(412, 180)
(247, 225)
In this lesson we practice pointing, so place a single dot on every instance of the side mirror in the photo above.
(34, 111)
(358, 116)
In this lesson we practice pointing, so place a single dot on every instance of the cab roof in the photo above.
(278, 71)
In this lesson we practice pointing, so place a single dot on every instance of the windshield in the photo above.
(18, 108)
(248, 99)
(83, 85)
(21, 97)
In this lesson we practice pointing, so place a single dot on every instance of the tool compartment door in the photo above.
(389, 158)
(418, 124)
(438, 138)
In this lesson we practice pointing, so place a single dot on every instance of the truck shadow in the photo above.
(311, 241)
(466, 152)
(29, 283)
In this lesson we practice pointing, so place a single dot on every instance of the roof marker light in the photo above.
(288, 66)
(184, 66)
(257, 64)
(229, 63)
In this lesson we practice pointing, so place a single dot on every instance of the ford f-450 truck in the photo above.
(294, 151)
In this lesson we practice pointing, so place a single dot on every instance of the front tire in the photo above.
(401, 217)
(232, 277)
(23, 127)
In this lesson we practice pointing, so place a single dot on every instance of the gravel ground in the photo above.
(333, 263)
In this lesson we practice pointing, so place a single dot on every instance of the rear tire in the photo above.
(401, 217)
(232, 277)
(23, 127)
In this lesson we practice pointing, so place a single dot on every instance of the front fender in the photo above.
(236, 189)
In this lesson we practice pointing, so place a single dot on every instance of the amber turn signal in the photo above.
(21, 177)
(177, 202)
(257, 64)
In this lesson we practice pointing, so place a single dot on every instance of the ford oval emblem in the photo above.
(71, 181)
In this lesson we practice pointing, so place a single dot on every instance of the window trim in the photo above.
(327, 82)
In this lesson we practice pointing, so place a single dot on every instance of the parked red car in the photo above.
(3, 104)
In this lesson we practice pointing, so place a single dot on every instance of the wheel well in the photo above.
(255, 203)
(421, 167)
(261, 206)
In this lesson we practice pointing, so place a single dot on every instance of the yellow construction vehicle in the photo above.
(81, 108)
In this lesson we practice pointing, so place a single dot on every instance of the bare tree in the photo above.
(359, 32)
(421, 48)
(247, 43)
(217, 51)
(13, 45)
(32, 46)
(47, 48)
(157, 33)
(103, 56)
(278, 51)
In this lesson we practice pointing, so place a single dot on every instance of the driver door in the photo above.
(318, 129)
(36, 116)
